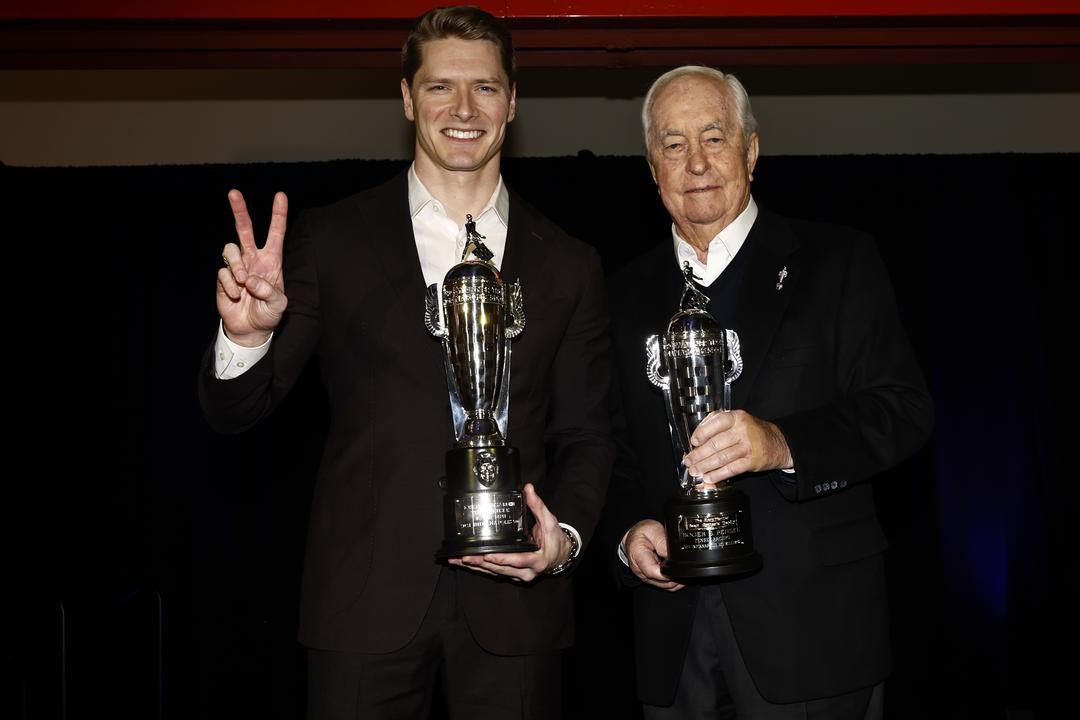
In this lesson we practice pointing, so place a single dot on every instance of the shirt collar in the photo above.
(420, 197)
(730, 238)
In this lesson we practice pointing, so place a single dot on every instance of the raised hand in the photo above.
(251, 287)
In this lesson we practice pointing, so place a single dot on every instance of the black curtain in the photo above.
(153, 568)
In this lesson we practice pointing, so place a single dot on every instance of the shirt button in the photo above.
(221, 356)
(239, 363)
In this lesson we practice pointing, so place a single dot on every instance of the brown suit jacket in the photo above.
(356, 301)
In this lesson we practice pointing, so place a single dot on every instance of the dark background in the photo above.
(151, 568)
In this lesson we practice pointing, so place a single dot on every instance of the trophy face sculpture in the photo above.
(484, 508)
(694, 363)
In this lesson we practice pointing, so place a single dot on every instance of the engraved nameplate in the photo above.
(473, 290)
(682, 345)
(489, 514)
(713, 531)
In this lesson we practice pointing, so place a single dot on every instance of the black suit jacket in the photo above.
(356, 301)
(827, 360)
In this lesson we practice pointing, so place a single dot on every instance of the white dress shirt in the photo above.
(722, 248)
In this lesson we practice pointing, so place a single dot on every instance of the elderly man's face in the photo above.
(698, 157)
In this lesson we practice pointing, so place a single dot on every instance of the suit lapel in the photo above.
(394, 251)
(525, 251)
(393, 268)
(761, 306)
(661, 287)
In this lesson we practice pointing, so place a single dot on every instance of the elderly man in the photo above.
(383, 621)
(830, 395)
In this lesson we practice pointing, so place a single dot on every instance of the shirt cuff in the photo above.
(577, 536)
(232, 360)
(622, 550)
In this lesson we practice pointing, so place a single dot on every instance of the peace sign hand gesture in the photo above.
(251, 287)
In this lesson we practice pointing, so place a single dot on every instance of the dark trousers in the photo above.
(477, 684)
(715, 684)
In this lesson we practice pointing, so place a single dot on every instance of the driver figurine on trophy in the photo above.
(694, 363)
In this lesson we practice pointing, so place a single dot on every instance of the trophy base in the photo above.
(484, 508)
(453, 550)
(708, 569)
(709, 535)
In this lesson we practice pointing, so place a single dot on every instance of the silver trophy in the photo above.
(484, 508)
(694, 364)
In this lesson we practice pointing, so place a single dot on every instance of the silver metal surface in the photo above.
(694, 363)
(480, 315)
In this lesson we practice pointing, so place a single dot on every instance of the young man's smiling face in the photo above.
(461, 102)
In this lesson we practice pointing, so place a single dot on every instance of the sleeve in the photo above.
(578, 435)
(883, 413)
(626, 500)
(232, 360)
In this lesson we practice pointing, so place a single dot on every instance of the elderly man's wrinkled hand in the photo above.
(727, 444)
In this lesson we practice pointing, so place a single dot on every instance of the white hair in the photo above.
(738, 95)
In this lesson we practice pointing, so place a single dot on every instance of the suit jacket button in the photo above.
(441, 483)
(817, 489)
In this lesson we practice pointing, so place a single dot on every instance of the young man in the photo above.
(381, 618)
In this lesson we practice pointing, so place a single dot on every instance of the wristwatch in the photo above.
(574, 548)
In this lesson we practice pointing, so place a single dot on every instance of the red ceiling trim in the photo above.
(404, 9)
(566, 42)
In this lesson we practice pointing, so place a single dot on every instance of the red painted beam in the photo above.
(548, 41)
(402, 9)
(788, 8)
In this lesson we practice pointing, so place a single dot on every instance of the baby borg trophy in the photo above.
(484, 508)
(694, 363)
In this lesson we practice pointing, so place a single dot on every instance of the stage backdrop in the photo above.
(152, 568)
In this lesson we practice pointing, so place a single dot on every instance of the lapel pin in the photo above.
(780, 278)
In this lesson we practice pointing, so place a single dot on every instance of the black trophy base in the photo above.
(484, 508)
(479, 547)
(708, 569)
(709, 535)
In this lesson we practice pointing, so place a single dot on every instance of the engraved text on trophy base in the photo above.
(713, 531)
(489, 514)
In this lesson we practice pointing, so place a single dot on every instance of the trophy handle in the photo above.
(502, 402)
(433, 323)
(732, 373)
(652, 371)
(515, 323)
(515, 310)
(652, 362)
(432, 319)
(734, 365)
(457, 409)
